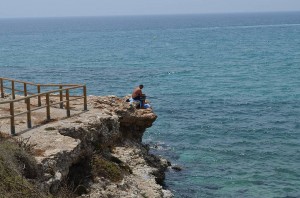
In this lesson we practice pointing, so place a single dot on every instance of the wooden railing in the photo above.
(28, 96)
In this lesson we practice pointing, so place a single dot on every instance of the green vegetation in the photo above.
(19, 173)
(50, 128)
(107, 169)
(17, 168)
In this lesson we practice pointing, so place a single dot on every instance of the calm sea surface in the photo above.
(226, 89)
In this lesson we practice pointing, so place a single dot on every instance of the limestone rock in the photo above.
(112, 127)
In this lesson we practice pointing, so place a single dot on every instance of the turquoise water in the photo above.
(226, 89)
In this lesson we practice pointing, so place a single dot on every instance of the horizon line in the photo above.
(140, 15)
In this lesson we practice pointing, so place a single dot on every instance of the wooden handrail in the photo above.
(42, 94)
(25, 91)
(27, 99)
(30, 83)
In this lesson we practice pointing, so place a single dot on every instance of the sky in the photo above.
(63, 8)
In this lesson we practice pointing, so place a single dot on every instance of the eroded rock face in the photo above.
(133, 122)
(98, 129)
(141, 183)
(110, 120)
(112, 126)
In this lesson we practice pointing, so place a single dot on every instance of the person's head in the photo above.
(141, 86)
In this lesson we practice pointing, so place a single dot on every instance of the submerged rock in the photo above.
(177, 168)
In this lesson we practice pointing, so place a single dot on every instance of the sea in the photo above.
(225, 87)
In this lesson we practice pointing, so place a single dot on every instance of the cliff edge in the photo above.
(99, 153)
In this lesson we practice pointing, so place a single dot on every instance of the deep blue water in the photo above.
(226, 89)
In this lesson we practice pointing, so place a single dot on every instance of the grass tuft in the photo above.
(50, 129)
(16, 167)
(107, 169)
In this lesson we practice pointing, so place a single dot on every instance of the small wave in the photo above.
(262, 26)
(248, 26)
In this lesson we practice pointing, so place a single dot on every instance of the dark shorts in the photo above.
(137, 98)
(140, 98)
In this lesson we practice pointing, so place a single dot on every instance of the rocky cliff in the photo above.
(99, 153)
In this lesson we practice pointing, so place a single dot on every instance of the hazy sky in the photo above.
(52, 8)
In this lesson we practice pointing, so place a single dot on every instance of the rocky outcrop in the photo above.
(141, 183)
(109, 134)
(133, 122)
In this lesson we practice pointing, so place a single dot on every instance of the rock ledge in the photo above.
(111, 130)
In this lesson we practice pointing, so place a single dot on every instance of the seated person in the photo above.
(137, 94)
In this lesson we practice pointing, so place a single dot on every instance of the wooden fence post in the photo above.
(12, 118)
(2, 88)
(48, 106)
(25, 89)
(61, 105)
(68, 103)
(28, 113)
(85, 98)
(13, 89)
(39, 97)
